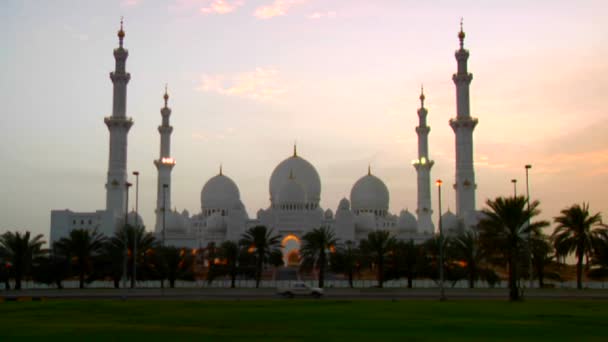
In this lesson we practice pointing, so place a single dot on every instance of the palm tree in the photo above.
(467, 249)
(504, 229)
(140, 241)
(19, 250)
(345, 260)
(542, 255)
(576, 232)
(315, 245)
(82, 246)
(600, 255)
(260, 241)
(176, 263)
(230, 251)
(377, 246)
(404, 259)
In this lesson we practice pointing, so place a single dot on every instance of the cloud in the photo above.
(276, 9)
(321, 15)
(130, 3)
(262, 84)
(221, 7)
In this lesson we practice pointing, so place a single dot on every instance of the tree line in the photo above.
(508, 238)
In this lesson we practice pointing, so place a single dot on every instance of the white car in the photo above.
(300, 289)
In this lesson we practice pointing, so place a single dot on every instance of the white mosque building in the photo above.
(294, 187)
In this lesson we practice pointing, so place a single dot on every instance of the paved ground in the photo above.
(264, 294)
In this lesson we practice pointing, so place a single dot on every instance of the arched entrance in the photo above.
(291, 250)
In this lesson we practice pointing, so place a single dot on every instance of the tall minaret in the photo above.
(118, 125)
(463, 126)
(423, 167)
(164, 165)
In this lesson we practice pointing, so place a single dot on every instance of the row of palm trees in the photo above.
(506, 238)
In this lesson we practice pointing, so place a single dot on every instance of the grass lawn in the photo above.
(320, 320)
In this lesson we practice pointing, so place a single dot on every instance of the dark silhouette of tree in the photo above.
(377, 246)
(81, 246)
(18, 251)
(504, 229)
(315, 246)
(261, 242)
(576, 233)
(346, 259)
(175, 263)
(542, 255)
(230, 251)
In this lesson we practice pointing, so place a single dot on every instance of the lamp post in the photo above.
(126, 237)
(441, 288)
(165, 186)
(136, 230)
(528, 167)
(514, 181)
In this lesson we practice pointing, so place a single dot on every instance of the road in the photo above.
(330, 294)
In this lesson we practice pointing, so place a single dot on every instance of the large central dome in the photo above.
(369, 194)
(303, 172)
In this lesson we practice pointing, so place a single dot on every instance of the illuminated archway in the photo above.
(291, 250)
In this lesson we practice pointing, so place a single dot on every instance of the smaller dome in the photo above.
(369, 193)
(134, 219)
(174, 222)
(344, 204)
(449, 221)
(407, 221)
(220, 192)
(329, 214)
(292, 192)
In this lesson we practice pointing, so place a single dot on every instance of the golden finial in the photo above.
(422, 97)
(221, 170)
(166, 96)
(369, 169)
(295, 149)
(461, 34)
(121, 33)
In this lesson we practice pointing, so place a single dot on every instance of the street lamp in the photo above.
(441, 288)
(528, 167)
(125, 233)
(165, 186)
(514, 181)
(135, 231)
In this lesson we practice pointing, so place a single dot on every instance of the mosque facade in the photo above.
(294, 186)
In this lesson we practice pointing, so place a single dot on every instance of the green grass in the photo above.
(320, 320)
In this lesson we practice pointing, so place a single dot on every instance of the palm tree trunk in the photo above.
(7, 284)
(81, 273)
(380, 271)
(321, 268)
(258, 271)
(410, 279)
(233, 278)
(579, 271)
(18, 280)
(513, 290)
(350, 278)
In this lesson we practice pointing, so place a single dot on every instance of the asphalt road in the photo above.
(330, 294)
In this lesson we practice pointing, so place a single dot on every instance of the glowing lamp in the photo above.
(167, 161)
(439, 182)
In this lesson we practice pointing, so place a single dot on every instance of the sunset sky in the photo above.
(247, 78)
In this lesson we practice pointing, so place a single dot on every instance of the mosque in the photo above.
(294, 187)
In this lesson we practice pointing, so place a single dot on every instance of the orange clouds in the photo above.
(276, 9)
(262, 84)
(221, 7)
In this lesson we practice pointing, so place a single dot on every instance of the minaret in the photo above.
(164, 165)
(118, 125)
(423, 167)
(463, 126)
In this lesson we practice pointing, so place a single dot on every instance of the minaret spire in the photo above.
(121, 33)
(118, 125)
(295, 149)
(423, 167)
(369, 169)
(164, 164)
(463, 126)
